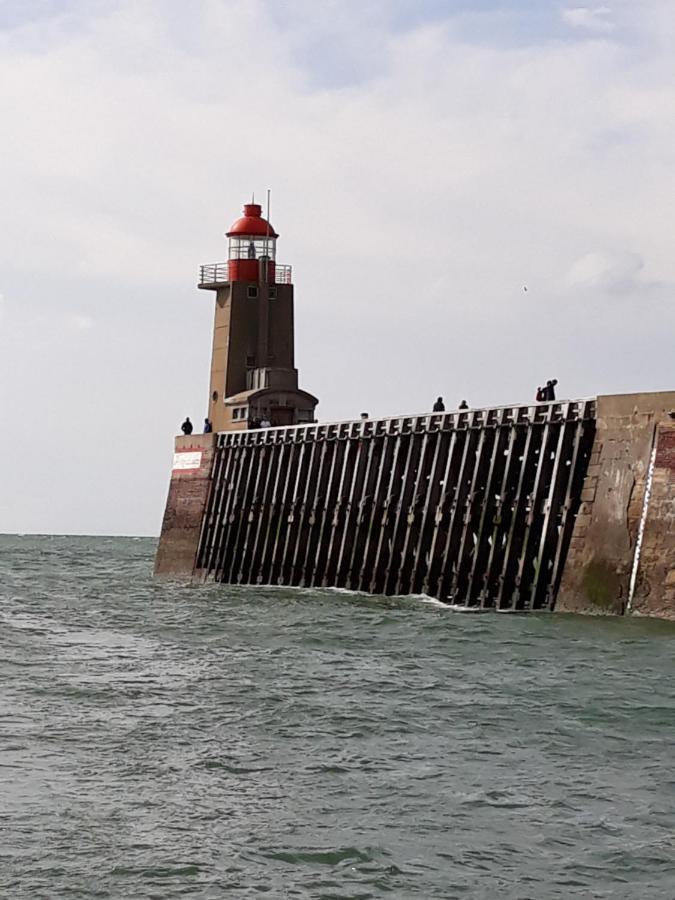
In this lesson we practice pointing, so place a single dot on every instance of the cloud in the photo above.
(596, 18)
(614, 275)
(613, 272)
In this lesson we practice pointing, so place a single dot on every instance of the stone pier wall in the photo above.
(185, 506)
(632, 431)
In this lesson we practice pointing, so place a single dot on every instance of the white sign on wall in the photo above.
(187, 459)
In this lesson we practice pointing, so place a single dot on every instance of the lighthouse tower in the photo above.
(253, 374)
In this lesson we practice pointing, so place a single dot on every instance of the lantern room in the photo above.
(252, 247)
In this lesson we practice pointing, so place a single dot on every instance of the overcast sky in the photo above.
(428, 160)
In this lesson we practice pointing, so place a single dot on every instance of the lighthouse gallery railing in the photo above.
(217, 273)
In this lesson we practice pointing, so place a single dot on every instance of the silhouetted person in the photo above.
(208, 427)
(550, 389)
(463, 405)
(364, 416)
(186, 427)
(439, 406)
(251, 250)
(540, 395)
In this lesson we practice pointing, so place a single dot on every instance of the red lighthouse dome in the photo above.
(252, 247)
(252, 223)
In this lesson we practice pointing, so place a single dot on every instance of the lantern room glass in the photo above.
(252, 247)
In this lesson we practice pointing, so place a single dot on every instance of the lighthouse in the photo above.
(253, 374)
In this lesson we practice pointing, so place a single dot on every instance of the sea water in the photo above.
(164, 740)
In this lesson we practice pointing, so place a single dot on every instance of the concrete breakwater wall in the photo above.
(514, 508)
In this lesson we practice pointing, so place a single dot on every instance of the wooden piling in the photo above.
(475, 508)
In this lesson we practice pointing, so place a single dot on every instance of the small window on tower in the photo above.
(252, 292)
(273, 292)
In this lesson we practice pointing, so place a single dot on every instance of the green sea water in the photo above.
(166, 741)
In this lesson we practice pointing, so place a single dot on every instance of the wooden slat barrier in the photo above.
(474, 508)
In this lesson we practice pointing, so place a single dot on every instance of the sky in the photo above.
(474, 196)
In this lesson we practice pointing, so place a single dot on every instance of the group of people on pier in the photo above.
(187, 426)
(439, 405)
(544, 394)
(259, 423)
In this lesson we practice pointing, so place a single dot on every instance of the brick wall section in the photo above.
(600, 559)
(185, 507)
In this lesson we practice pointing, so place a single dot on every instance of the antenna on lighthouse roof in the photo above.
(267, 235)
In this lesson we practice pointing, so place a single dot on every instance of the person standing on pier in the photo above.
(439, 406)
(208, 427)
(549, 390)
(186, 427)
(463, 405)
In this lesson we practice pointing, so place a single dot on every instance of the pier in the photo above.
(566, 506)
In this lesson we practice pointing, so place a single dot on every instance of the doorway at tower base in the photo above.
(274, 407)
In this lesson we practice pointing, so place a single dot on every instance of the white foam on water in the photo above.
(434, 601)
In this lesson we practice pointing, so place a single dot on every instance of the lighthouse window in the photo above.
(272, 292)
(252, 248)
(252, 292)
